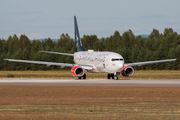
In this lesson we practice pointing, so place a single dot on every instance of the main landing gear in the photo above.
(84, 76)
(113, 76)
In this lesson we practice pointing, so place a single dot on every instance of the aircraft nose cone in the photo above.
(119, 67)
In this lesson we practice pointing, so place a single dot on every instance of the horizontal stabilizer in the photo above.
(58, 53)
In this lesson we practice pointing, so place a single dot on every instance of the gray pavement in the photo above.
(90, 82)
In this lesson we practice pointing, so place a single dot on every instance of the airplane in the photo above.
(94, 61)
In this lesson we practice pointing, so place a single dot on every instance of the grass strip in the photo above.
(44, 102)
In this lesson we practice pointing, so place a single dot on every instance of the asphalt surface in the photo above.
(90, 82)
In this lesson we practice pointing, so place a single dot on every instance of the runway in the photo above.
(90, 82)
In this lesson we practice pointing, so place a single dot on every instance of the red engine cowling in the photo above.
(128, 71)
(77, 71)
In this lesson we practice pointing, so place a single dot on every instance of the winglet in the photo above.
(77, 37)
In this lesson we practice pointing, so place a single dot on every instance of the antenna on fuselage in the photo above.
(77, 37)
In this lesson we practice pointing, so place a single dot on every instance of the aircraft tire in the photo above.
(108, 76)
(112, 75)
(79, 77)
(84, 76)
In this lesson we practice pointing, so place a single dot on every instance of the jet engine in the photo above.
(127, 71)
(77, 71)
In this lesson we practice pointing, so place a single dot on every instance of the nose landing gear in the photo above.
(113, 76)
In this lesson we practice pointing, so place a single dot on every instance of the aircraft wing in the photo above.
(148, 62)
(87, 67)
(58, 53)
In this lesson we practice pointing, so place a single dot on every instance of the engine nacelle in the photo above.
(77, 71)
(127, 71)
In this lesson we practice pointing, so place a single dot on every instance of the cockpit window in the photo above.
(116, 59)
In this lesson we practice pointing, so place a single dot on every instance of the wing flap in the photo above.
(149, 62)
(41, 62)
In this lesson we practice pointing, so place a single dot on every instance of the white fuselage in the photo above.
(102, 62)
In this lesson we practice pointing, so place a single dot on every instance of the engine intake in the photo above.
(77, 71)
(128, 71)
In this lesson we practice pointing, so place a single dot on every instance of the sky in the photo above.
(39, 19)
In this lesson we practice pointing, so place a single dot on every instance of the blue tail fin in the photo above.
(77, 37)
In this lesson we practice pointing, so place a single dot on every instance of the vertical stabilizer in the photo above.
(77, 37)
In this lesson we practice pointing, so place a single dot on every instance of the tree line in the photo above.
(157, 46)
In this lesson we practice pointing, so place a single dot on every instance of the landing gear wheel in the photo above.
(79, 77)
(84, 76)
(108, 76)
(112, 75)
